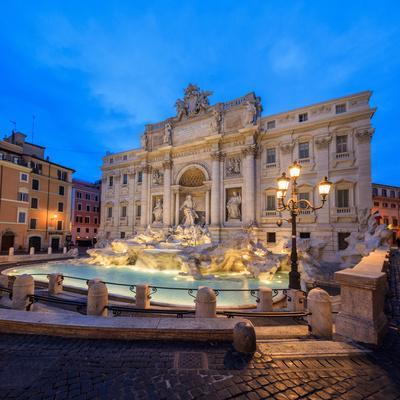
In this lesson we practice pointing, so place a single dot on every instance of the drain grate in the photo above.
(191, 360)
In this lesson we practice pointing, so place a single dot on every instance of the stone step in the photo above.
(282, 332)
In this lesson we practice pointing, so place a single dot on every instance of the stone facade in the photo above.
(227, 157)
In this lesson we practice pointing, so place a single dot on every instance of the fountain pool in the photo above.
(131, 275)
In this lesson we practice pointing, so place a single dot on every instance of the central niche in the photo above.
(193, 177)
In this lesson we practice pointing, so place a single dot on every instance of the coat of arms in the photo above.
(194, 102)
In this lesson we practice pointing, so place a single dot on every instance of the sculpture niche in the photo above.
(233, 206)
(189, 213)
(158, 211)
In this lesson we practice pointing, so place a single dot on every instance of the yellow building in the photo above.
(35, 197)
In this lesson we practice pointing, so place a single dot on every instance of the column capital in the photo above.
(167, 164)
(251, 150)
(218, 156)
(364, 134)
(145, 168)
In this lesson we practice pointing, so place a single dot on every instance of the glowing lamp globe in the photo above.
(283, 183)
(294, 170)
(324, 187)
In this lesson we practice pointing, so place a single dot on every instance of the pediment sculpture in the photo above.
(194, 102)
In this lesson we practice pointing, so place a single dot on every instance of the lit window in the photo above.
(23, 177)
(22, 196)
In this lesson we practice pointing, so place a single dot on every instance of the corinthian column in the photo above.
(167, 193)
(249, 194)
(144, 220)
(216, 157)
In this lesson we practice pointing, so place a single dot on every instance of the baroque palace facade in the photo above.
(224, 160)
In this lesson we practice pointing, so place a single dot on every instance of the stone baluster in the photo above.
(216, 157)
(265, 303)
(249, 194)
(55, 283)
(320, 320)
(167, 193)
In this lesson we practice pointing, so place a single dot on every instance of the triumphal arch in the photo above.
(217, 165)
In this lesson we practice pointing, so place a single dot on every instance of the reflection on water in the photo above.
(132, 275)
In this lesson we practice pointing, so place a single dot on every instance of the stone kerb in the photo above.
(320, 306)
(206, 303)
(24, 285)
(363, 290)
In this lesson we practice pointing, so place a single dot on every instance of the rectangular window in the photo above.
(22, 196)
(96, 198)
(111, 160)
(305, 235)
(271, 124)
(341, 144)
(35, 184)
(95, 230)
(78, 229)
(138, 211)
(59, 225)
(95, 221)
(34, 202)
(87, 230)
(342, 244)
(384, 193)
(304, 150)
(304, 196)
(125, 179)
(87, 220)
(110, 181)
(395, 222)
(125, 157)
(32, 223)
(23, 177)
(385, 205)
(77, 218)
(392, 194)
(122, 235)
(393, 205)
(79, 207)
(343, 198)
(78, 195)
(374, 192)
(87, 208)
(271, 156)
(340, 108)
(271, 203)
(376, 203)
(140, 177)
(61, 175)
(303, 117)
(123, 211)
(21, 217)
(109, 212)
(271, 237)
(61, 207)
(61, 190)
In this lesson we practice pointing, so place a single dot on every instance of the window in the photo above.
(384, 193)
(342, 244)
(271, 203)
(123, 211)
(125, 179)
(393, 205)
(78, 195)
(61, 175)
(125, 157)
(87, 196)
(122, 235)
(34, 202)
(95, 230)
(78, 229)
(340, 108)
(61, 190)
(87, 220)
(96, 198)
(305, 235)
(59, 225)
(271, 124)
(385, 205)
(109, 212)
(79, 207)
(392, 194)
(343, 198)
(304, 196)
(23, 177)
(35, 184)
(21, 217)
(22, 196)
(271, 237)
(303, 117)
(61, 207)
(87, 208)
(271, 156)
(95, 220)
(386, 221)
(110, 181)
(140, 177)
(395, 222)
(87, 230)
(32, 223)
(376, 203)
(304, 150)
(341, 144)
(138, 211)
(374, 192)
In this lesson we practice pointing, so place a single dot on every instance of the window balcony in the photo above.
(342, 156)
(344, 213)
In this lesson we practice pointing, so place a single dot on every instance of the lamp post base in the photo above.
(294, 280)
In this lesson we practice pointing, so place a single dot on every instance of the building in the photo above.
(35, 197)
(229, 153)
(386, 200)
(85, 212)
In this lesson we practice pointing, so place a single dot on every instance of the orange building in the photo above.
(35, 197)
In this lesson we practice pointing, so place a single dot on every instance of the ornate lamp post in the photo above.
(293, 205)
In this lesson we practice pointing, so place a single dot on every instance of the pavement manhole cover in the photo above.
(191, 360)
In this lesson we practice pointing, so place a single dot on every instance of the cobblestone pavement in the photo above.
(393, 299)
(39, 367)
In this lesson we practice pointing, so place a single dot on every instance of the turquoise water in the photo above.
(132, 275)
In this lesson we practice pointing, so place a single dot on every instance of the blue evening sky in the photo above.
(94, 72)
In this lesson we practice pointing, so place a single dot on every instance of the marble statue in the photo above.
(180, 109)
(194, 102)
(189, 212)
(216, 122)
(167, 138)
(251, 113)
(158, 211)
(233, 206)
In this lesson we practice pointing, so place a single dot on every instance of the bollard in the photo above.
(320, 306)
(24, 285)
(55, 283)
(265, 296)
(11, 251)
(97, 299)
(90, 282)
(3, 284)
(142, 296)
(244, 337)
(295, 300)
(64, 250)
(206, 303)
(49, 250)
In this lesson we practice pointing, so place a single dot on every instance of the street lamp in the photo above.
(293, 205)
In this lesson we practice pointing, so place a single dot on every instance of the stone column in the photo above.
(207, 194)
(216, 157)
(167, 193)
(249, 194)
(177, 208)
(144, 220)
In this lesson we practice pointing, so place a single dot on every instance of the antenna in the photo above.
(14, 124)
(33, 126)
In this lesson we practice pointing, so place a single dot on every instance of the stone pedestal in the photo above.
(142, 296)
(55, 283)
(206, 303)
(24, 285)
(295, 300)
(97, 299)
(265, 303)
(320, 320)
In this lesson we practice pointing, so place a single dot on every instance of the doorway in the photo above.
(7, 241)
(36, 243)
(55, 244)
